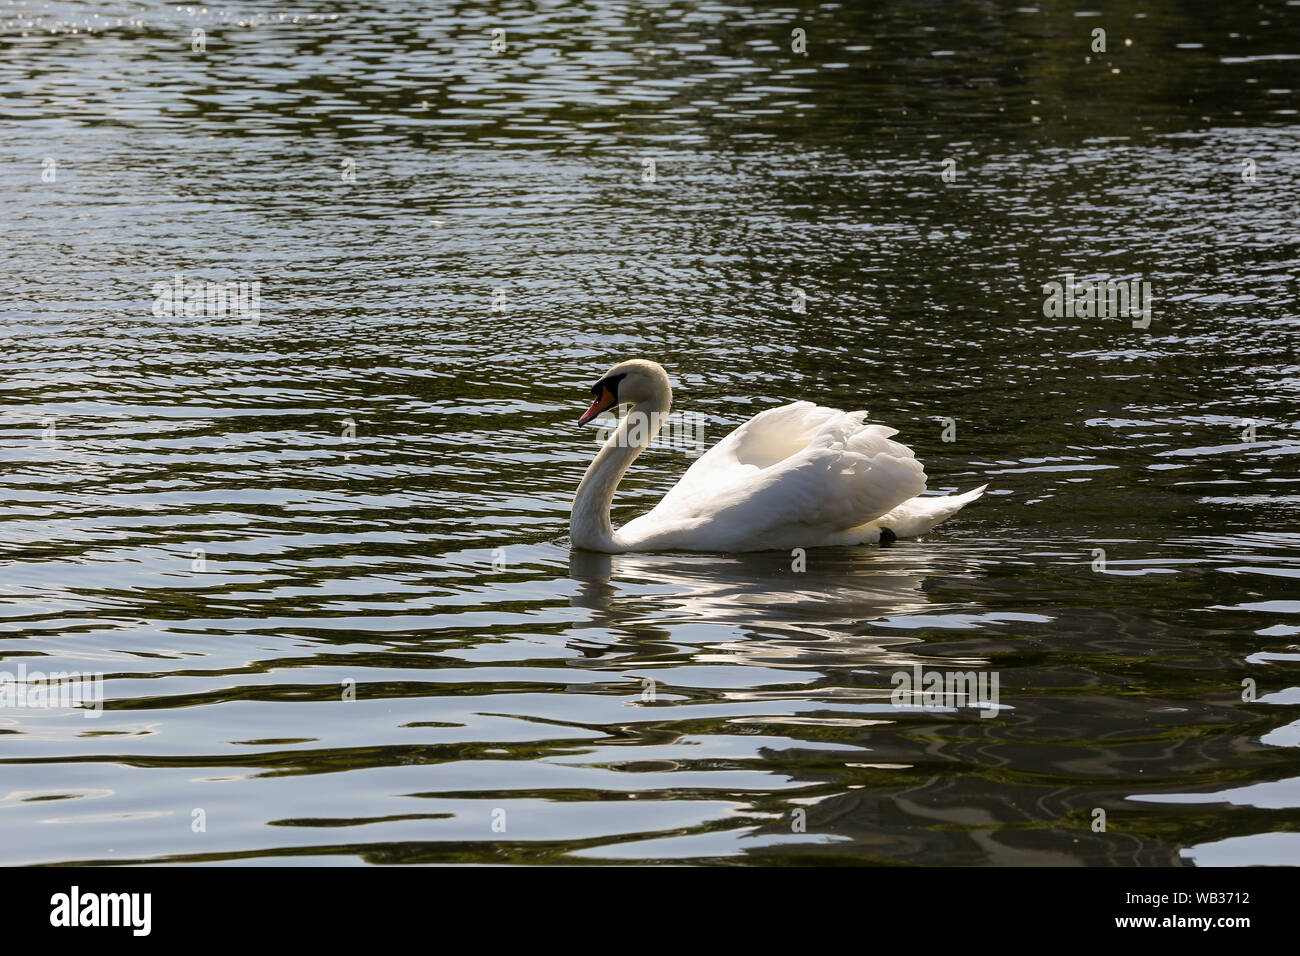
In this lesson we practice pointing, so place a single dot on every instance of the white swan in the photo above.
(797, 476)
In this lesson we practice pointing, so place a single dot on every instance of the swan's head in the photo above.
(629, 383)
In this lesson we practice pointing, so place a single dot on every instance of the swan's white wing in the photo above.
(767, 438)
(788, 477)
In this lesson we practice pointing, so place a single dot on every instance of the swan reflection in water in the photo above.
(772, 610)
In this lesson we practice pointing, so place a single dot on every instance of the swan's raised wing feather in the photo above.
(788, 476)
(769, 437)
(774, 434)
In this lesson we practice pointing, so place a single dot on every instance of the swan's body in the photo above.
(796, 476)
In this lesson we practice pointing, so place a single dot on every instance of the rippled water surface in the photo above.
(364, 493)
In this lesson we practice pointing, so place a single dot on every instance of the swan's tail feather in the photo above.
(918, 515)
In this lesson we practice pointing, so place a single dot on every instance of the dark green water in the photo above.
(380, 170)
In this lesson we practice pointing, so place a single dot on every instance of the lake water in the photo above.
(319, 553)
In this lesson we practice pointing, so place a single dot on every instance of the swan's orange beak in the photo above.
(605, 399)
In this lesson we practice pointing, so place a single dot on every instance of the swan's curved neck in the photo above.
(589, 525)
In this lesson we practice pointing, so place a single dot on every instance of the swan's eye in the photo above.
(609, 383)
